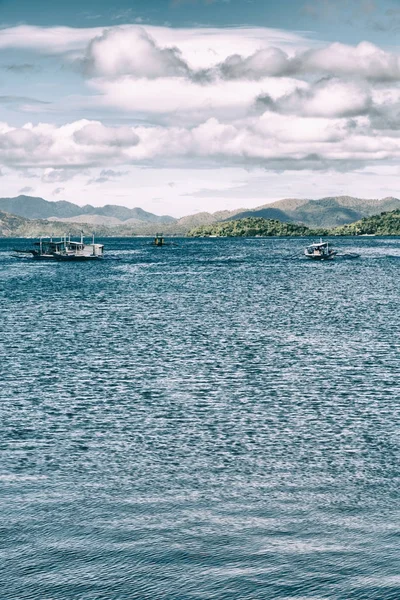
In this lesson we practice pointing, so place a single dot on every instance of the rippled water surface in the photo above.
(213, 420)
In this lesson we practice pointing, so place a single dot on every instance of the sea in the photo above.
(213, 419)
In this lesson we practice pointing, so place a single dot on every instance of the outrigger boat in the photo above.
(63, 250)
(320, 251)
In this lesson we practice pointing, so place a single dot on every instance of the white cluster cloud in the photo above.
(132, 72)
(364, 60)
(326, 98)
(178, 100)
(267, 62)
(96, 134)
(272, 139)
(79, 144)
(132, 52)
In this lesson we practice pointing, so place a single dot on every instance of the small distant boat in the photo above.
(320, 251)
(159, 240)
(62, 250)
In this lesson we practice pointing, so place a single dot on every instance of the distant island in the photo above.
(387, 223)
(254, 227)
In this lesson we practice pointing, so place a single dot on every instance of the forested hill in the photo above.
(254, 226)
(387, 223)
(324, 212)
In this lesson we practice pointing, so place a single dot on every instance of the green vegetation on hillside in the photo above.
(253, 226)
(329, 212)
(387, 223)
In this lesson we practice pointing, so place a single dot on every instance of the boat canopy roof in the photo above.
(319, 245)
(49, 241)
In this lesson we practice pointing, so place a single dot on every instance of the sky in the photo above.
(184, 106)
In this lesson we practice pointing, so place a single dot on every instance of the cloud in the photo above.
(18, 141)
(364, 60)
(60, 150)
(96, 134)
(127, 16)
(26, 190)
(133, 52)
(325, 98)
(58, 191)
(274, 140)
(185, 101)
(97, 180)
(151, 53)
(57, 175)
(268, 62)
(20, 99)
(110, 173)
(107, 175)
(277, 105)
(21, 68)
(47, 40)
(129, 70)
(122, 14)
(200, 47)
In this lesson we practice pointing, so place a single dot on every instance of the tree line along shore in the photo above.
(386, 223)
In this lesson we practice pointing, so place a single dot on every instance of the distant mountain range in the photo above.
(15, 226)
(31, 217)
(30, 207)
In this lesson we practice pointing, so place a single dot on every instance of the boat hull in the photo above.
(75, 258)
(327, 257)
(43, 257)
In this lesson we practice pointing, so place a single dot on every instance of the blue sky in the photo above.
(183, 106)
(344, 20)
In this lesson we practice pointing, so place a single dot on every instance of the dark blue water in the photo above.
(213, 420)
